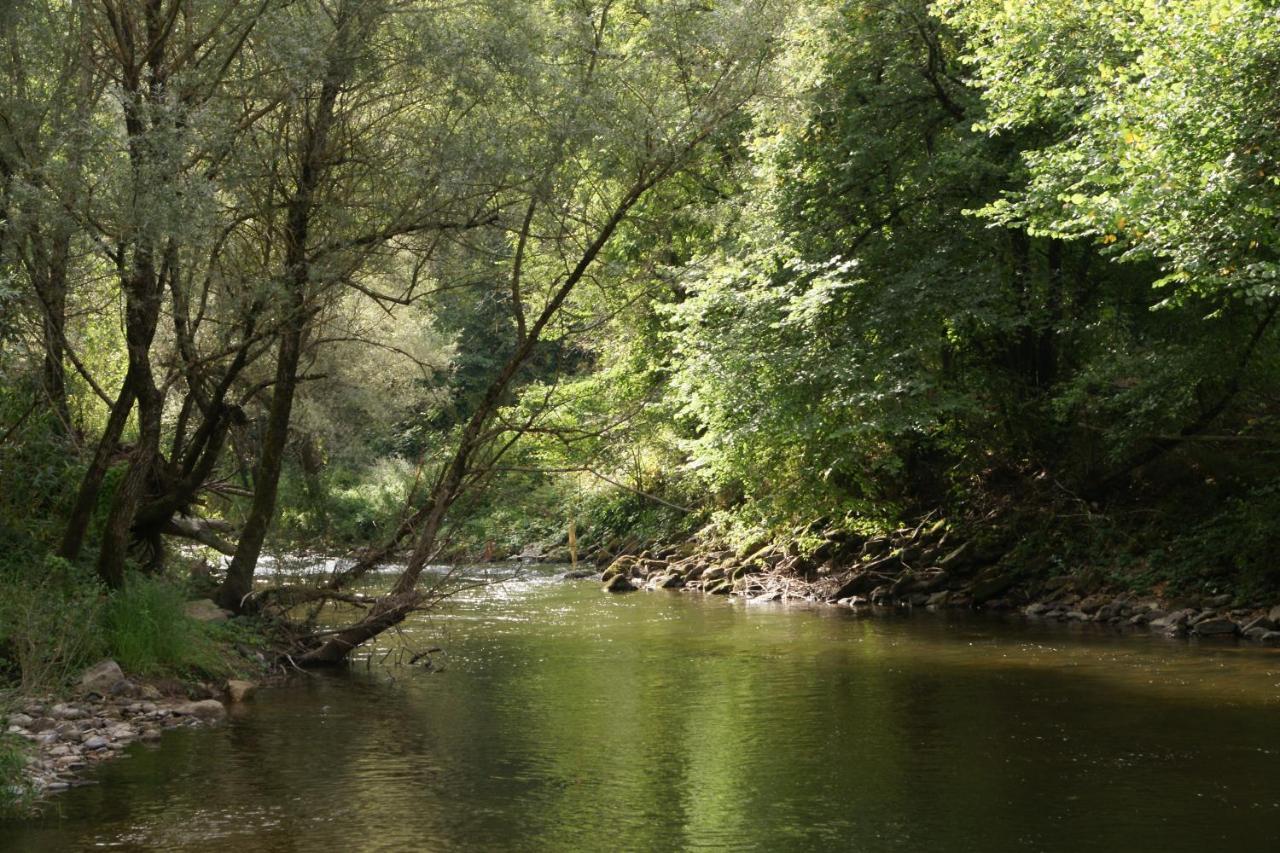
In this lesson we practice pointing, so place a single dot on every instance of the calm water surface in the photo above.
(566, 719)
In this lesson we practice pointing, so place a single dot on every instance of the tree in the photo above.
(628, 98)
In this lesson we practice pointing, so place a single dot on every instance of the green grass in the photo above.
(147, 631)
(14, 795)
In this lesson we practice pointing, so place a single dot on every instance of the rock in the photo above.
(992, 584)
(619, 583)
(938, 599)
(1038, 609)
(122, 734)
(22, 721)
(1092, 603)
(1261, 622)
(124, 689)
(239, 691)
(1216, 627)
(94, 742)
(1203, 615)
(882, 594)
(1177, 619)
(68, 731)
(579, 574)
(671, 581)
(1107, 612)
(1270, 638)
(622, 566)
(150, 693)
(149, 735)
(717, 587)
(1274, 614)
(1221, 600)
(204, 610)
(101, 677)
(208, 710)
(859, 584)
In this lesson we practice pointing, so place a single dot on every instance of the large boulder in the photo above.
(623, 566)
(204, 610)
(1216, 627)
(101, 677)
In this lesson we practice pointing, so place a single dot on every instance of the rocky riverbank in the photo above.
(111, 712)
(927, 567)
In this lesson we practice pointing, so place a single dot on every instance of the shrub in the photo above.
(48, 622)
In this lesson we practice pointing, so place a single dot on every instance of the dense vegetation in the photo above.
(432, 279)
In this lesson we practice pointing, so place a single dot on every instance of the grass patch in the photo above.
(148, 632)
(49, 612)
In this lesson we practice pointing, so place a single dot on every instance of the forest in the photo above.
(417, 282)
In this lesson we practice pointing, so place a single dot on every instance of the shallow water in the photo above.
(570, 720)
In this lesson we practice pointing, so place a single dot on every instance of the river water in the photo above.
(561, 718)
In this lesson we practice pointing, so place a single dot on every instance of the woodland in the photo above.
(422, 281)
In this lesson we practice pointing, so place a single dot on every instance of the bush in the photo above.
(148, 632)
(49, 612)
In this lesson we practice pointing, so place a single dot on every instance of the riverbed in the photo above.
(560, 718)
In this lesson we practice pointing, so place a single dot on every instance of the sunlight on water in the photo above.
(562, 718)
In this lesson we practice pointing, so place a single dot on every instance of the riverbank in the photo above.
(54, 738)
(927, 566)
(67, 737)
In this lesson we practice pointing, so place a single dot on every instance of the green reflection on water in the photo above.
(571, 720)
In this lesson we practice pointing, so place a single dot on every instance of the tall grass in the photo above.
(49, 614)
(147, 631)
(14, 795)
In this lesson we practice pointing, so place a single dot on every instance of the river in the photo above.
(560, 718)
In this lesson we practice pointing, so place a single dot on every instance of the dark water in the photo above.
(571, 720)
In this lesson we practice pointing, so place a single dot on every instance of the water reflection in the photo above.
(571, 720)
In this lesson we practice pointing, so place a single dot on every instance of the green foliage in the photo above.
(49, 621)
(1163, 117)
(1233, 547)
(147, 632)
(14, 795)
(343, 505)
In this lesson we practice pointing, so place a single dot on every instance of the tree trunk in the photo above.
(266, 480)
(315, 158)
(404, 599)
(91, 483)
(141, 318)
